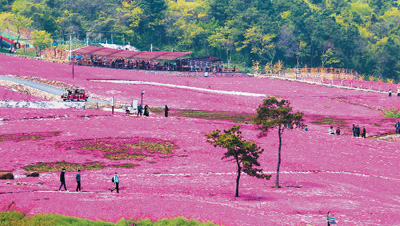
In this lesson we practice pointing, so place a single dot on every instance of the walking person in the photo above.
(397, 127)
(358, 130)
(139, 110)
(166, 111)
(78, 181)
(62, 180)
(115, 179)
(354, 130)
(363, 132)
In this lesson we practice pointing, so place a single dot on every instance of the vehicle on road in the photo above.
(75, 95)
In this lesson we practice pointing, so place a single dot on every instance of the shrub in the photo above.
(392, 113)
(12, 217)
(17, 137)
(58, 166)
(121, 148)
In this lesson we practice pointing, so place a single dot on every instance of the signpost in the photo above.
(141, 102)
(331, 220)
(134, 105)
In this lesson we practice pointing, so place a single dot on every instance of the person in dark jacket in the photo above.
(140, 110)
(166, 111)
(62, 179)
(78, 180)
(358, 131)
(146, 110)
(354, 130)
(397, 127)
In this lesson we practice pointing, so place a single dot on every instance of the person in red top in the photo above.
(363, 133)
(338, 131)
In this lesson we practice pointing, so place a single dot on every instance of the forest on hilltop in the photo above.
(357, 34)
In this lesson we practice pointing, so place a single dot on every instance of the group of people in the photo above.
(398, 92)
(333, 132)
(146, 110)
(176, 65)
(357, 131)
(295, 125)
(114, 179)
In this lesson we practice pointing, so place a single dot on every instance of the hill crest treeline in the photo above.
(360, 34)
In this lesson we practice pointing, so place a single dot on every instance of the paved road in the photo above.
(43, 87)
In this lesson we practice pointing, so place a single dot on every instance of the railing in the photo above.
(335, 77)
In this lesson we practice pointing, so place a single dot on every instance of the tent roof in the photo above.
(205, 58)
(140, 55)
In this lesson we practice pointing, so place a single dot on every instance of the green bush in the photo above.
(18, 218)
(392, 113)
(177, 221)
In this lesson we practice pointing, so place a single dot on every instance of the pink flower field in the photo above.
(166, 167)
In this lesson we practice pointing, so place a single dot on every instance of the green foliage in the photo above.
(330, 121)
(41, 39)
(272, 114)
(4, 20)
(58, 166)
(121, 148)
(12, 217)
(392, 113)
(17, 22)
(243, 152)
(209, 115)
(362, 35)
(181, 221)
(275, 113)
(17, 137)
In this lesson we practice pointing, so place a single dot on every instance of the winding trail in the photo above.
(212, 173)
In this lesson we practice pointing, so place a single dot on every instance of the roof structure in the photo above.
(205, 58)
(139, 55)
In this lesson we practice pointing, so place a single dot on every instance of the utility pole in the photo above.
(141, 102)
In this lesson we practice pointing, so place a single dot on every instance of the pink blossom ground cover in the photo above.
(357, 107)
(356, 179)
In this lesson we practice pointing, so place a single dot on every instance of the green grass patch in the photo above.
(17, 137)
(121, 148)
(392, 113)
(329, 121)
(209, 115)
(30, 52)
(20, 218)
(376, 124)
(58, 166)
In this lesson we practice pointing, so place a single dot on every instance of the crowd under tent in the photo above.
(126, 54)
(208, 59)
